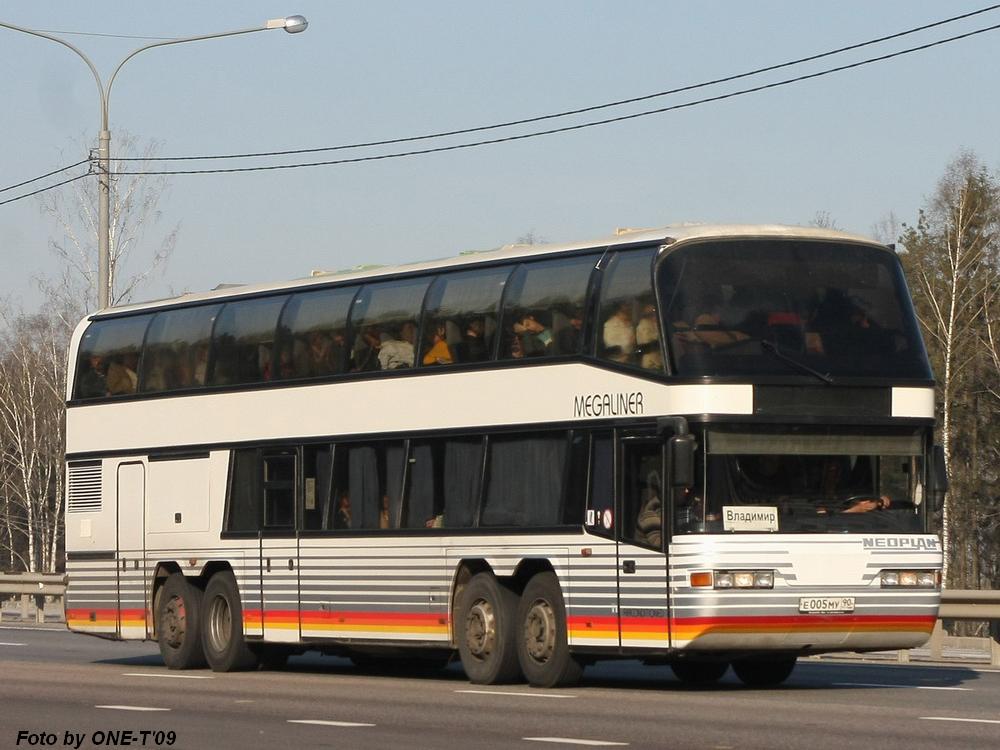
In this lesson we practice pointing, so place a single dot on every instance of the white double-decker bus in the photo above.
(700, 445)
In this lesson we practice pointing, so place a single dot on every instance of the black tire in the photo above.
(764, 671)
(699, 673)
(222, 638)
(270, 656)
(542, 643)
(178, 623)
(485, 628)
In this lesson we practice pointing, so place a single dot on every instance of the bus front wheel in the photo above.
(485, 631)
(764, 671)
(542, 646)
(178, 623)
(222, 629)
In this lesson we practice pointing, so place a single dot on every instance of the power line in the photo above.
(581, 126)
(581, 110)
(44, 189)
(42, 177)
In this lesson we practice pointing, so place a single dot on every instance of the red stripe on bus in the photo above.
(315, 617)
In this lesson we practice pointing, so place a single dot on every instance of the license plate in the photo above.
(826, 604)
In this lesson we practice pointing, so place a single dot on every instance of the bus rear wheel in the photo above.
(485, 631)
(178, 623)
(699, 673)
(543, 645)
(764, 671)
(226, 649)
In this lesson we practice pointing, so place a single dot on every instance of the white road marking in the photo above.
(572, 741)
(950, 718)
(329, 723)
(909, 687)
(9, 643)
(133, 708)
(245, 700)
(525, 695)
(171, 676)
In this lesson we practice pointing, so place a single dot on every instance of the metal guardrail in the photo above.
(977, 605)
(47, 590)
(970, 605)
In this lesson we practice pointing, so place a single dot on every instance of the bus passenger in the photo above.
(649, 522)
(319, 356)
(121, 377)
(365, 352)
(474, 347)
(535, 336)
(92, 381)
(342, 520)
(439, 353)
(568, 340)
(395, 352)
(619, 334)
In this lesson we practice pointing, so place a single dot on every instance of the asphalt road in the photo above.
(76, 687)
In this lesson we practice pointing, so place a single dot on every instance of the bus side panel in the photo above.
(92, 596)
(642, 598)
(367, 589)
(591, 595)
(91, 547)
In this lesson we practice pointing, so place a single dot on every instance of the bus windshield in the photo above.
(791, 482)
(783, 307)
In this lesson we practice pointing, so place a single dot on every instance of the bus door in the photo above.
(130, 548)
(643, 602)
(279, 548)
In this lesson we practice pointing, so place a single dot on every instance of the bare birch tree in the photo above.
(949, 254)
(32, 437)
(33, 347)
(135, 209)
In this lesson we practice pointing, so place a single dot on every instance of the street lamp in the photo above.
(291, 24)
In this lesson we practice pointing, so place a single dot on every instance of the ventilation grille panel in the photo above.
(84, 495)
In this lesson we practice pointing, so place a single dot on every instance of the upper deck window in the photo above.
(384, 325)
(460, 320)
(110, 353)
(312, 335)
(243, 342)
(544, 308)
(783, 307)
(628, 326)
(177, 348)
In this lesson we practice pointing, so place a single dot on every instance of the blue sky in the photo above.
(856, 145)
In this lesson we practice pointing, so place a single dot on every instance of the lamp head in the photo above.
(295, 24)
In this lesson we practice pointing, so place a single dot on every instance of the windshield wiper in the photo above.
(772, 348)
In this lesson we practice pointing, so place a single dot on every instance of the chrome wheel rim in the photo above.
(480, 629)
(540, 631)
(220, 624)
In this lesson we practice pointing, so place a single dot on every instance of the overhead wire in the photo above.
(43, 176)
(529, 120)
(579, 126)
(580, 110)
(45, 189)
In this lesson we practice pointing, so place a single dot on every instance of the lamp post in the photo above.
(291, 24)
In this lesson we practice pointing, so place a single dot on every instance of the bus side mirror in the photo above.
(937, 478)
(682, 449)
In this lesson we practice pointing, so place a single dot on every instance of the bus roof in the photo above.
(670, 234)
